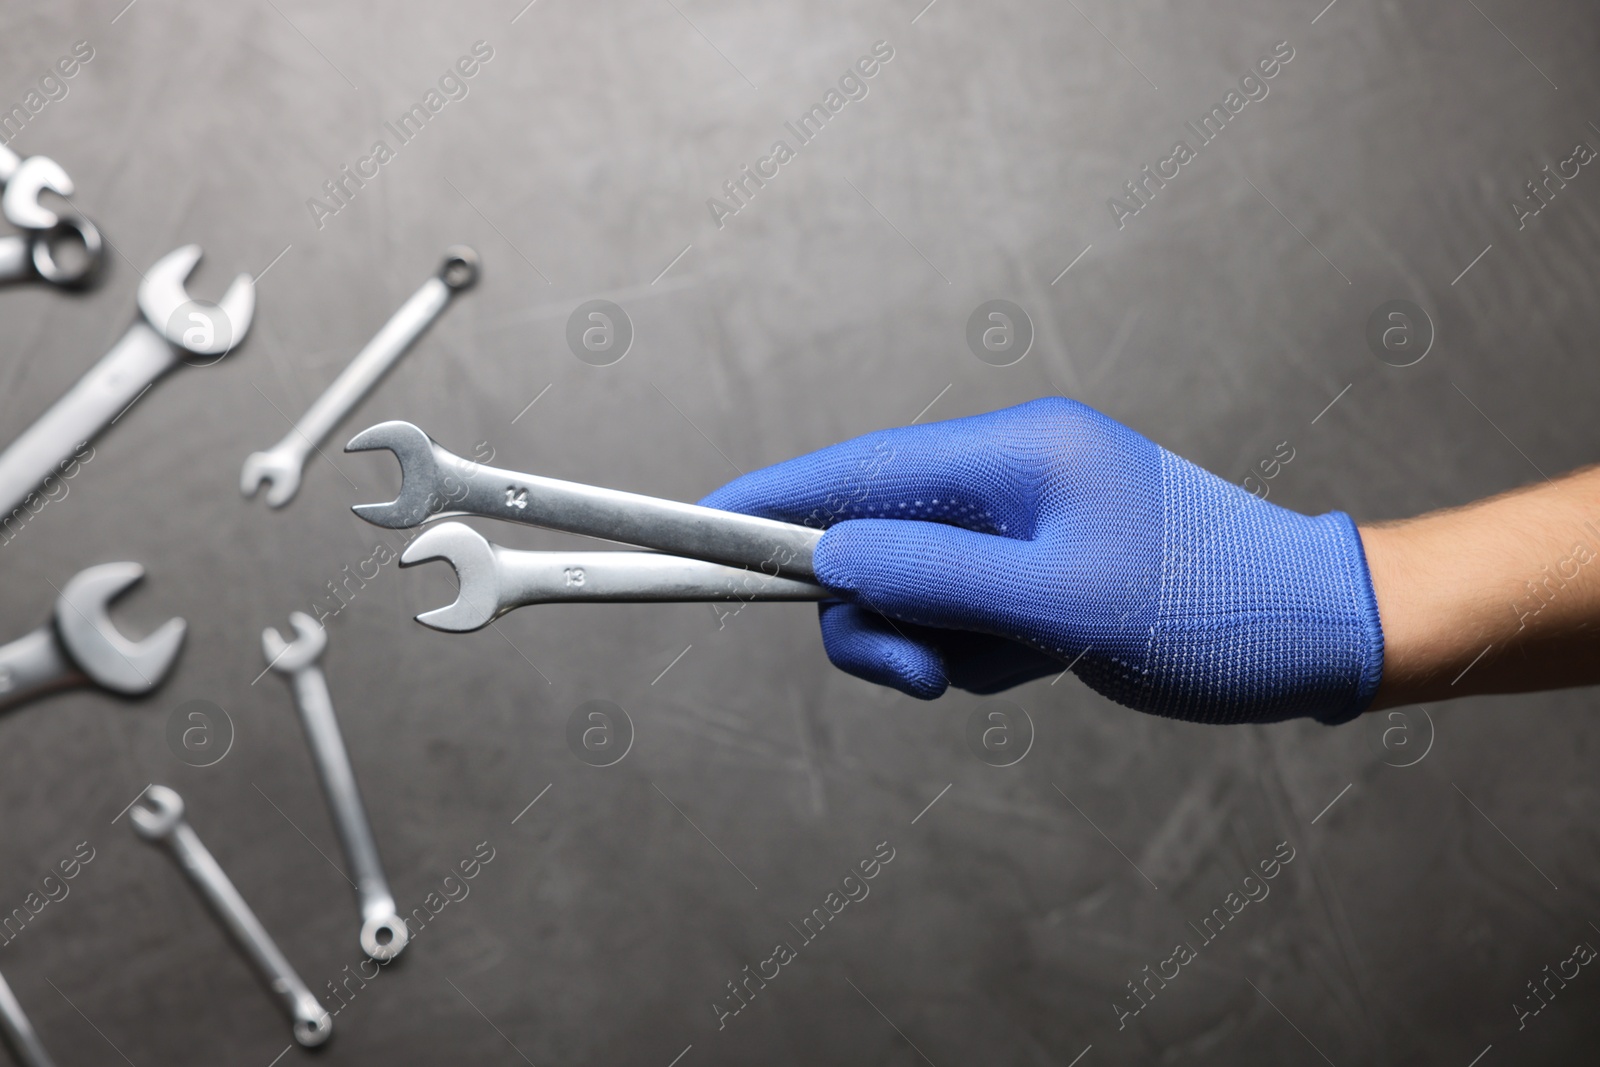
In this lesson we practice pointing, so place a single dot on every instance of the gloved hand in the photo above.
(988, 551)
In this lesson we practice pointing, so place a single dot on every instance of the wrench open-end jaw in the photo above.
(422, 490)
(98, 647)
(479, 601)
(292, 657)
(21, 202)
(81, 645)
(279, 470)
(162, 295)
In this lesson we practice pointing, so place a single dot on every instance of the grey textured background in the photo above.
(579, 165)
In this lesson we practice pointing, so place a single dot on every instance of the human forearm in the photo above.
(1501, 596)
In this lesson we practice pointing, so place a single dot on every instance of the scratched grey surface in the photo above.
(1221, 320)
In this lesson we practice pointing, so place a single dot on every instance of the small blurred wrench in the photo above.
(282, 463)
(158, 817)
(495, 580)
(383, 933)
(18, 1031)
(435, 482)
(170, 327)
(81, 645)
(31, 256)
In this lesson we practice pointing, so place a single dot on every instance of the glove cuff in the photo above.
(1370, 624)
(1263, 614)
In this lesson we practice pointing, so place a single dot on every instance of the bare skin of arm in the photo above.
(1500, 596)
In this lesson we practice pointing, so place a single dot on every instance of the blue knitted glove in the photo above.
(988, 551)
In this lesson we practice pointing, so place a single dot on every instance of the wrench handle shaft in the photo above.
(121, 376)
(634, 578)
(371, 363)
(232, 911)
(344, 797)
(32, 664)
(630, 518)
(19, 1032)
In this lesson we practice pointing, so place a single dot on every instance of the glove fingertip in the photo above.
(860, 553)
(867, 646)
(834, 559)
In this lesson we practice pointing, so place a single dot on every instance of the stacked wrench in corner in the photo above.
(729, 556)
(158, 817)
(383, 932)
(283, 463)
(31, 256)
(170, 328)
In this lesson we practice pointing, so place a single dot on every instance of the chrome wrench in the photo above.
(170, 328)
(158, 817)
(436, 482)
(19, 1032)
(383, 932)
(31, 256)
(495, 580)
(283, 463)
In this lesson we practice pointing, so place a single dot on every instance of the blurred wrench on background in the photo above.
(283, 463)
(495, 580)
(31, 255)
(170, 328)
(383, 932)
(158, 817)
(435, 482)
(81, 645)
(18, 1031)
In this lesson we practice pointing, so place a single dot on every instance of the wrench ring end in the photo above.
(461, 268)
(81, 276)
(384, 936)
(310, 1033)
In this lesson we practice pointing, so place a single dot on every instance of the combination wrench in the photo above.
(435, 482)
(284, 462)
(158, 817)
(82, 645)
(171, 328)
(383, 932)
(495, 580)
(19, 1032)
